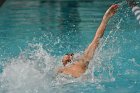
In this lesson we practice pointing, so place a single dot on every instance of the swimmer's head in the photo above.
(67, 58)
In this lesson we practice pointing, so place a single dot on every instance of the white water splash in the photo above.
(29, 73)
(33, 71)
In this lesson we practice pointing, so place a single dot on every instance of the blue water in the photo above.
(35, 34)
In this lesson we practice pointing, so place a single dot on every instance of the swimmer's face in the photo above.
(67, 58)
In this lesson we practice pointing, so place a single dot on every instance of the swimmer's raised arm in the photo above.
(89, 52)
(79, 67)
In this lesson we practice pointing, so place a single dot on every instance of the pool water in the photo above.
(35, 34)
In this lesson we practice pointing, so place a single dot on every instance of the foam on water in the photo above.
(28, 72)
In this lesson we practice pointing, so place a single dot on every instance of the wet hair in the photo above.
(69, 60)
(70, 54)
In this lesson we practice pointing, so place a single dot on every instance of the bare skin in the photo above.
(79, 67)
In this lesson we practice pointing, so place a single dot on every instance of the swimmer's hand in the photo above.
(111, 11)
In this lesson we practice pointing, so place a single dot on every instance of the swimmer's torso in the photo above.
(76, 69)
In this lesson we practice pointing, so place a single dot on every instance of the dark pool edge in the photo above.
(2, 2)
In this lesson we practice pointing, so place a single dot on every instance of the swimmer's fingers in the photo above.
(115, 6)
(113, 9)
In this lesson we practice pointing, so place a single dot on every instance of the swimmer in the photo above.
(77, 68)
